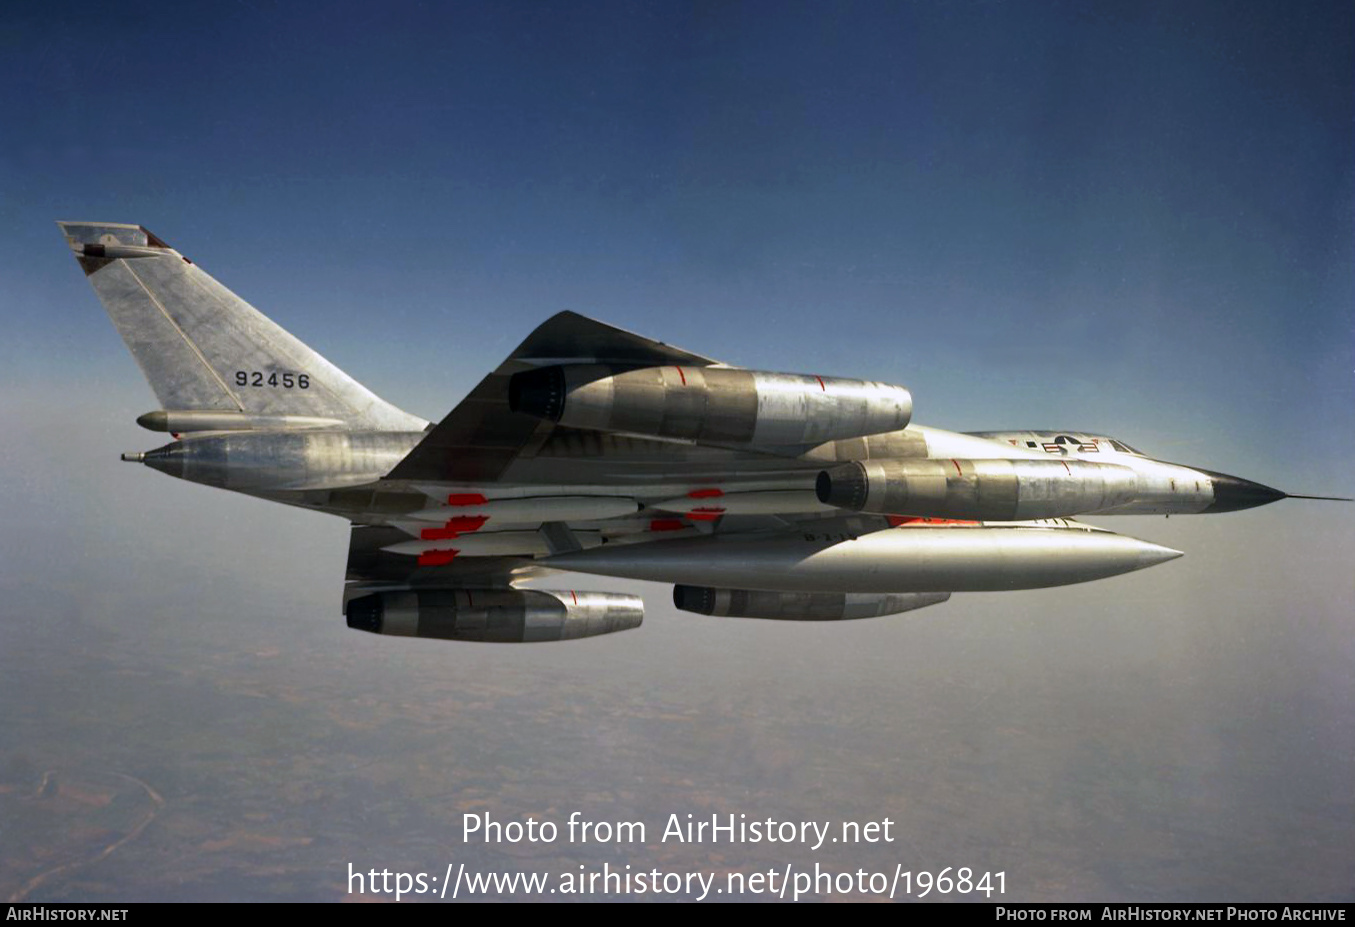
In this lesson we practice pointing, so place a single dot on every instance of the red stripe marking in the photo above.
(821, 386)
(898, 520)
(705, 516)
(437, 557)
(574, 597)
(705, 494)
(957, 466)
(467, 522)
(466, 498)
(437, 534)
(666, 524)
(681, 374)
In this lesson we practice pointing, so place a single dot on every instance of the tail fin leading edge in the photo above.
(202, 348)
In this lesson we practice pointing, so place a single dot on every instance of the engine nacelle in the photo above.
(715, 405)
(983, 490)
(495, 615)
(799, 606)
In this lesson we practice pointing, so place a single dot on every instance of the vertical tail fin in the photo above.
(202, 348)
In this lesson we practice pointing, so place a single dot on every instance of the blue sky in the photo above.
(990, 203)
(1133, 218)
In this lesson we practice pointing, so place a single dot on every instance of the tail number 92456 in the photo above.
(274, 379)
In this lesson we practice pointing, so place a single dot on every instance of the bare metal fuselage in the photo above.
(280, 465)
(591, 449)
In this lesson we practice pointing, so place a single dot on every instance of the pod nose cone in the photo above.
(1153, 554)
(1232, 493)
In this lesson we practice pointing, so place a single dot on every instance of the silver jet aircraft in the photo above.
(594, 450)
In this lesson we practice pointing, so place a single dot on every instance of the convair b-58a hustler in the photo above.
(757, 494)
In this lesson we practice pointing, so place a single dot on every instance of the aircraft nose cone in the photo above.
(1232, 493)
